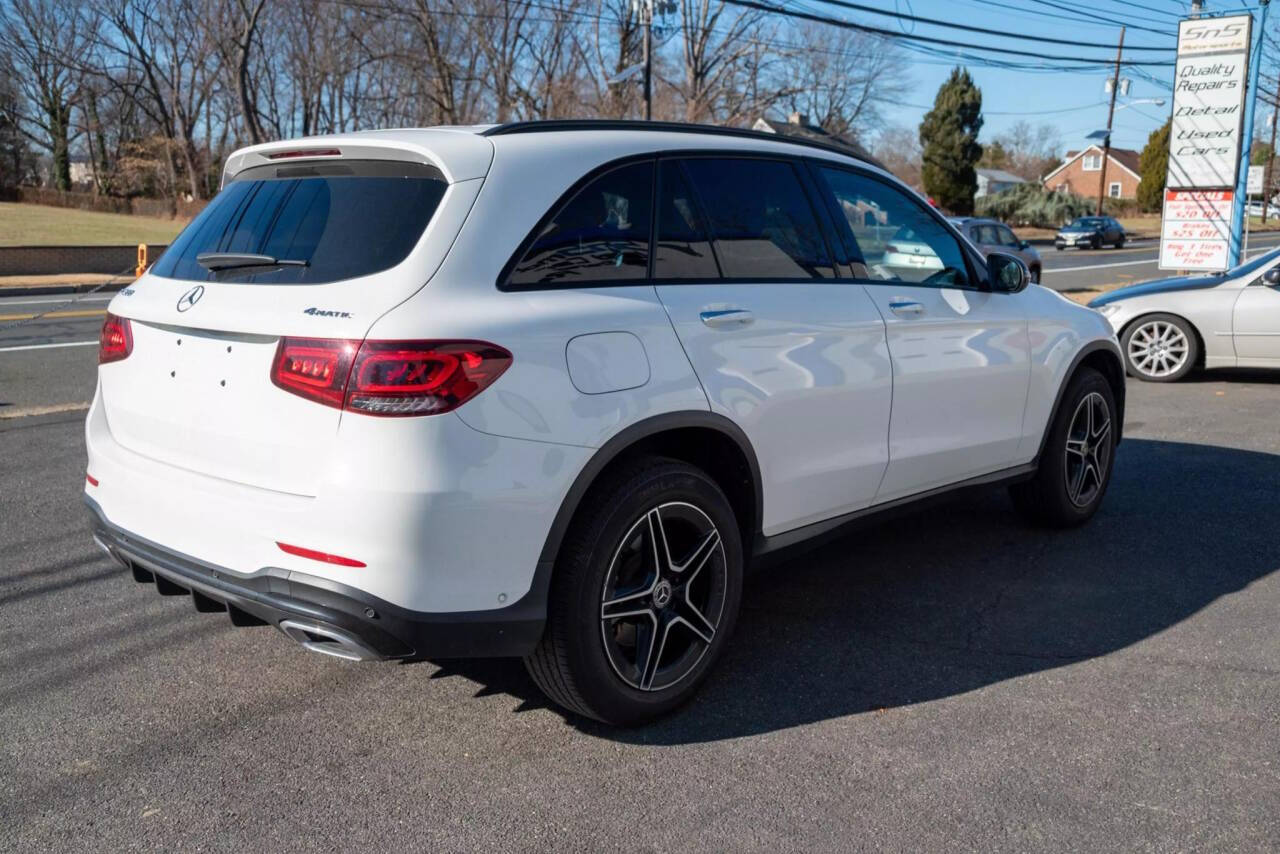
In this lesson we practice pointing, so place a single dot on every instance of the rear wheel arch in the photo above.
(705, 440)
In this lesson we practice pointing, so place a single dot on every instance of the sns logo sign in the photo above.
(1214, 35)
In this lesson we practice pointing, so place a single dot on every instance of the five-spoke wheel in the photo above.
(663, 596)
(1088, 450)
(644, 594)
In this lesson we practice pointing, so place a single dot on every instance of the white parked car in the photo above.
(546, 390)
(1168, 327)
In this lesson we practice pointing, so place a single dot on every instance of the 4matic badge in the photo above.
(320, 312)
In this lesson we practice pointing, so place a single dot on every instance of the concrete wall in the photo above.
(52, 260)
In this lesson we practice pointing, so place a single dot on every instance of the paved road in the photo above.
(1080, 269)
(51, 361)
(949, 680)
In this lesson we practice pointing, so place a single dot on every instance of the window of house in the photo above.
(1092, 162)
(1113, 190)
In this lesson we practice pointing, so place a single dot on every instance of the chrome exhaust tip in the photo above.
(328, 640)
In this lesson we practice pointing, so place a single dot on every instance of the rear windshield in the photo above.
(333, 220)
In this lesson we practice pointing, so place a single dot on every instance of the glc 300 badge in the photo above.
(190, 298)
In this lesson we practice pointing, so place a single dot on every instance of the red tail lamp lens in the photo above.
(93, 481)
(389, 378)
(323, 557)
(115, 341)
(422, 377)
(314, 368)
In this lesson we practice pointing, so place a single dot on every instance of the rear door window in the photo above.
(683, 246)
(762, 222)
(601, 235)
(333, 220)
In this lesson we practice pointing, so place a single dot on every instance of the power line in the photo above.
(858, 7)
(838, 22)
(1119, 23)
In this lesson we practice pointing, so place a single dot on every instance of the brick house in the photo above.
(1080, 170)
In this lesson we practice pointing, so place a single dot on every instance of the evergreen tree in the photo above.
(949, 137)
(1153, 165)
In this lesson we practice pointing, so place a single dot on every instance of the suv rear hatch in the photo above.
(315, 244)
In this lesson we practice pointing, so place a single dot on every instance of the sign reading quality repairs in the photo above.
(1204, 141)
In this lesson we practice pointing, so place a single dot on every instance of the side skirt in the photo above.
(771, 550)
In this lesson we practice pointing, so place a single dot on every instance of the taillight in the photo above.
(388, 377)
(115, 341)
(889, 247)
(314, 368)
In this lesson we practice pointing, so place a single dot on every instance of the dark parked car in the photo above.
(990, 235)
(1090, 231)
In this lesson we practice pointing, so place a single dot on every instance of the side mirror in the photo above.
(1271, 277)
(1024, 244)
(1007, 273)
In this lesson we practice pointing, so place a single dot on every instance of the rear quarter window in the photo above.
(342, 220)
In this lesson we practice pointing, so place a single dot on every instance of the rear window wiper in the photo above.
(232, 260)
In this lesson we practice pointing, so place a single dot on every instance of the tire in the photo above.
(1074, 471)
(592, 663)
(1120, 243)
(1096, 244)
(1035, 275)
(1160, 348)
(1057, 247)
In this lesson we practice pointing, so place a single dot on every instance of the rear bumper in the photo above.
(326, 616)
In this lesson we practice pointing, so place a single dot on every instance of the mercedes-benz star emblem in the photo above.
(662, 594)
(190, 298)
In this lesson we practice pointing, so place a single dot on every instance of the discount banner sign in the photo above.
(1196, 228)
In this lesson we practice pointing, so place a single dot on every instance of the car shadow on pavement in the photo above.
(1263, 376)
(963, 595)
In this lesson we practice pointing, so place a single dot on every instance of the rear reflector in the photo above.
(390, 378)
(93, 481)
(312, 554)
(305, 152)
(115, 341)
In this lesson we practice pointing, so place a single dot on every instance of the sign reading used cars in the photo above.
(1204, 141)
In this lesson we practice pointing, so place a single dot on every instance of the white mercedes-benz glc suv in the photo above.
(548, 389)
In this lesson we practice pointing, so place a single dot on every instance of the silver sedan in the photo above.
(1169, 327)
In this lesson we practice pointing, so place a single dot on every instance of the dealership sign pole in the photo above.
(1201, 202)
(1240, 211)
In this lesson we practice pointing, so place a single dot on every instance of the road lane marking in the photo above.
(27, 411)
(1049, 270)
(53, 315)
(5, 301)
(48, 346)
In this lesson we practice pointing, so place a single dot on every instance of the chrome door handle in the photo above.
(906, 306)
(726, 318)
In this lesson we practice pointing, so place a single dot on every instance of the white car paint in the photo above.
(848, 395)
(1236, 315)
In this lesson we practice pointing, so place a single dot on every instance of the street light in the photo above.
(1159, 102)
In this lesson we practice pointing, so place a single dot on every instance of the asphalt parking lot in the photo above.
(947, 680)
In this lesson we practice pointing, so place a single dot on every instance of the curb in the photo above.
(56, 290)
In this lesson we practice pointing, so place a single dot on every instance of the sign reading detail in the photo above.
(1205, 141)
(1195, 230)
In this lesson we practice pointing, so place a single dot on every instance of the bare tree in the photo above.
(714, 42)
(841, 78)
(39, 40)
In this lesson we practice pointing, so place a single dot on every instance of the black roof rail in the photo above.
(550, 125)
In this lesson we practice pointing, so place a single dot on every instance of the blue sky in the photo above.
(1075, 101)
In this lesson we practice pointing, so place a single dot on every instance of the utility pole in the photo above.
(1111, 112)
(1271, 155)
(646, 16)
(1197, 6)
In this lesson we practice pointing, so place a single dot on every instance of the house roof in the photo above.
(1126, 158)
(804, 130)
(1001, 176)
